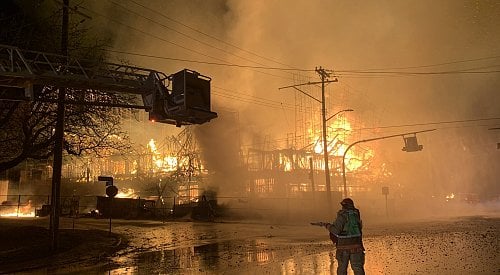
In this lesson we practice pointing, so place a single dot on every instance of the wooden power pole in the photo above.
(58, 142)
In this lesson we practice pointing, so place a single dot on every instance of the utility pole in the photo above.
(58, 141)
(324, 79)
(311, 175)
(324, 76)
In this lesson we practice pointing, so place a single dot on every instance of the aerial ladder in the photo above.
(180, 99)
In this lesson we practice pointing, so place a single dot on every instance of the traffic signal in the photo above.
(411, 144)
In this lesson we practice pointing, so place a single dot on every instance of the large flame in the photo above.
(162, 163)
(127, 193)
(21, 211)
(338, 134)
(285, 163)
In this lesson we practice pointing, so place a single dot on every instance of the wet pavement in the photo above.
(465, 245)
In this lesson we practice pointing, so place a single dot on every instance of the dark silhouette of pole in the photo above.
(367, 140)
(324, 76)
(110, 213)
(58, 142)
(311, 169)
(386, 209)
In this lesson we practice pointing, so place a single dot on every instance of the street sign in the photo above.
(104, 178)
(111, 191)
(108, 180)
(385, 190)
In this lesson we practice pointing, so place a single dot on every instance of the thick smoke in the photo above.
(220, 149)
(432, 39)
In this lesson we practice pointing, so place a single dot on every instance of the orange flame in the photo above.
(22, 211)
(162, 163)
(338, 134)
(127, 193)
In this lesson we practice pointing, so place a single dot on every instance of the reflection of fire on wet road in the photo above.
(424, 247)
(463, 245)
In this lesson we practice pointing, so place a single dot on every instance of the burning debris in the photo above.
(17, 209)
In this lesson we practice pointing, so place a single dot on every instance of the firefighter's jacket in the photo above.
(346, 240)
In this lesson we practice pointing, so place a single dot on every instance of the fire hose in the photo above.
(333, 238)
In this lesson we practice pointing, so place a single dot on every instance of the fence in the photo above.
(166, 207)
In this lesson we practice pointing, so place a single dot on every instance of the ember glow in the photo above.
(286, 163)
(161, 162)
(127, 193)
(19, 214)
(338, 138)
(21, 211)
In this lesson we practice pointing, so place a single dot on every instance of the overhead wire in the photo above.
(170, 42)
(181, 33)
(429, 123)
(208, 35)
(436, 65)
(251, 100)
(368, 72)
(406, 73)
(337, 72)
(383, 72)
(419, 124)
(247, 100)
(358, 73)
(265, 100)
(209, 63)
(256, 100)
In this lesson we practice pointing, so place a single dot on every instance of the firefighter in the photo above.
(347, 228)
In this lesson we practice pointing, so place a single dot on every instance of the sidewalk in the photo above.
(25, 244)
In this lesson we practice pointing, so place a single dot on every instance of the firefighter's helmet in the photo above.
(346, 202)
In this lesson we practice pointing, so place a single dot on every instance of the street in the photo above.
(460, 245)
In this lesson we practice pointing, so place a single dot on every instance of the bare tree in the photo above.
(27, 127)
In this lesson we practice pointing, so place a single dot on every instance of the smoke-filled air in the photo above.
(249, 136)
(396, 71)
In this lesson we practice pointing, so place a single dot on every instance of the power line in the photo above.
(339, 73)
(429, 123)
(354, 72)
(257, 100)
(209, 63)
(435, 65)
(208, 35)
(247, 100)
(181, 33)
(383, 73)
(170, 42)
(148, 34)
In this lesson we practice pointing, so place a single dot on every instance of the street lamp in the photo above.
(341, 111)
(372, 139)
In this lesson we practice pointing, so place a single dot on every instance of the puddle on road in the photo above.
(229, 257)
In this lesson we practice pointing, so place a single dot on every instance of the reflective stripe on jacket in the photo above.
(338, 228)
